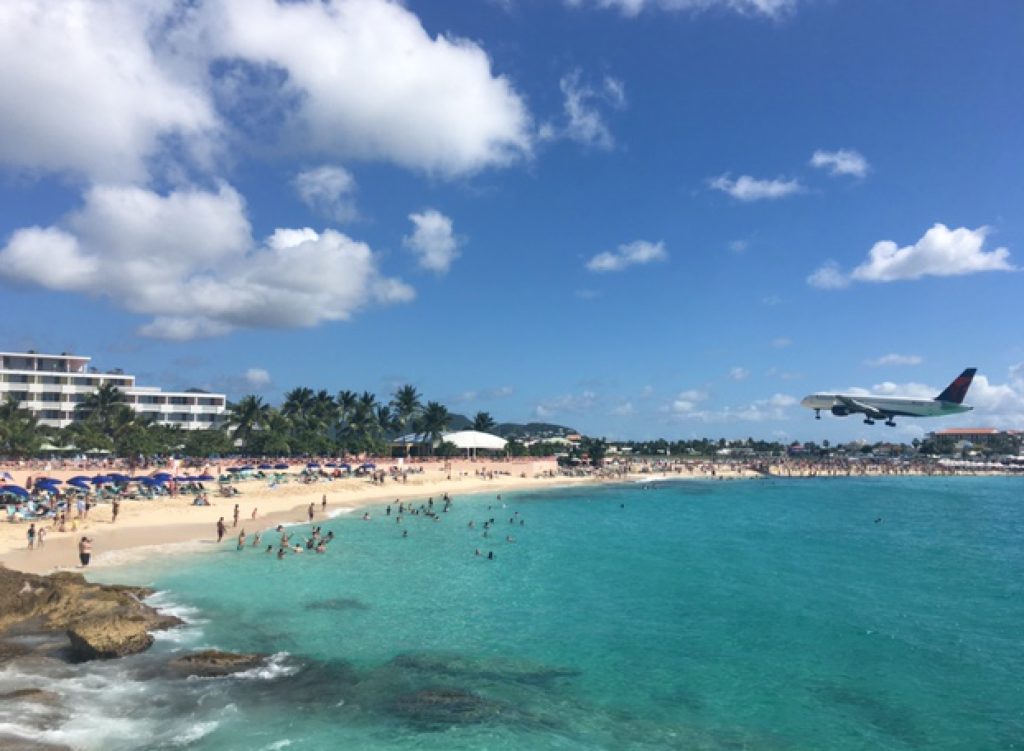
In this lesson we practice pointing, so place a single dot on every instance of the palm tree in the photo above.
(246, 417)
(484, 422)
(100, 406)
(406, 403)
(433, 421)
(20, 433)
(298, 405)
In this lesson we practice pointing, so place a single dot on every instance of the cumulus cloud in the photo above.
(738, 374)
(631, 8)
(366, 81)
(941, 252)
(86, 92)
(432, 241)
(637, 253)
(257, 378)
(328, 190)
(567, 404)
(585, 122)
(187, 259)
(107, 89)
(841, 162)
(747, 189)
(894, 359)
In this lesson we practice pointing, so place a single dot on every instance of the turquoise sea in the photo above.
(835, 613)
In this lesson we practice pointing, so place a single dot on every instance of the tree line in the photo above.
(308, 423)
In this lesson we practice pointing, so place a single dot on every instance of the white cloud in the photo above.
(432, 241)
(257, 378)
(364, 80)
(637, 253)
(631, 8)
(842, 162)
(782, 342)
(941, 252)
(747, 189)
(328, 190)
(584, 121)
(188, 260)
(828, 276)
(84, 91)
(738, 374)
(894, 359)
(567, 404)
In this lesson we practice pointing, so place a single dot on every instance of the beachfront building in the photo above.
(52, 386)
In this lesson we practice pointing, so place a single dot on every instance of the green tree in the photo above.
(245, 417)
(433, 422)
(483, 422)
(104, 408)
(20, 433)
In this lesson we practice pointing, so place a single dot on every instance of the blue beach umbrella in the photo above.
(282, 466)
(80, 484)
(81, 478)
(205, 478)
(14, 490)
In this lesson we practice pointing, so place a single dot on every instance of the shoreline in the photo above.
(173, 521)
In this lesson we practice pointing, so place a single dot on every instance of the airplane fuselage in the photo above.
(886, 405)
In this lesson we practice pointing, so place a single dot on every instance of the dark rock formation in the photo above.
(445, 706)
(102, 621)
(214, 664)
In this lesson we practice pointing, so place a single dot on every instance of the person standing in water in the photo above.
(221, 529)
(84, 551)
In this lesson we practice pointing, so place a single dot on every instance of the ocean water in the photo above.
(759, 615)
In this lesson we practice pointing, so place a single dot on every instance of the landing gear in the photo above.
(868, 421)
(817, 414)
(890, 423)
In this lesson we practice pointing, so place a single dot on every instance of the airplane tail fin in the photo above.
(957, 390)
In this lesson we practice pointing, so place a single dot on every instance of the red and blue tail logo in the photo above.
(957, 390)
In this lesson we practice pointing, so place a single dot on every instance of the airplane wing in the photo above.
(855, 406)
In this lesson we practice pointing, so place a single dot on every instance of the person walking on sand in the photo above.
(221, 529)
(115, 509)
(32, 536)
(84, 551)
(323, 503)
(312, 511)
(237, 512)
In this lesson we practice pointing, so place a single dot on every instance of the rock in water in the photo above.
(214, 664)
(445, 706)
(102, 621)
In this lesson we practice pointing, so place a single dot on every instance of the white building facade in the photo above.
(52, 386)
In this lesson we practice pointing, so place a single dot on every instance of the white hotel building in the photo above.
(52, 386)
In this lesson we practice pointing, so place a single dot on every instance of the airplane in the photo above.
(949, 402)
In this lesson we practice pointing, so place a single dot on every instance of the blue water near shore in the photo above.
(779, 614)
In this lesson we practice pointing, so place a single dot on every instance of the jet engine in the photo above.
(841, 410)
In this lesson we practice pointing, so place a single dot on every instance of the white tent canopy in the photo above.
(474, 439)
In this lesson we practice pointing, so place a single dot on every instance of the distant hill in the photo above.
(531, 431)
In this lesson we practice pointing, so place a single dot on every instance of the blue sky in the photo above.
(639, 218)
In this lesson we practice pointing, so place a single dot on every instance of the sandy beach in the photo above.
(169, 520)
(263, 503)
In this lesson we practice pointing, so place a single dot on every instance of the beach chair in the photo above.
(12, 514)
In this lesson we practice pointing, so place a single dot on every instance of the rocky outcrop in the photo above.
(102, 621)
(214, 664)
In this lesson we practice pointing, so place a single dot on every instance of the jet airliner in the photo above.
(949, 402)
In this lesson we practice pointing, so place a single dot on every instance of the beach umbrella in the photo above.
(282, 466)
(8, 476)
(312, 465)
(368, 465)
(80, 484)
(82, 478)
(205, 478)
(162, 476)
(266, 466)
(345, 465)
(14, 490)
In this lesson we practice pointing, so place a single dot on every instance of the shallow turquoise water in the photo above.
(791, 614)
